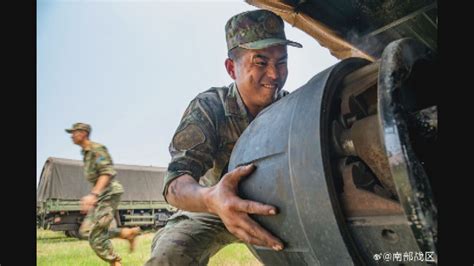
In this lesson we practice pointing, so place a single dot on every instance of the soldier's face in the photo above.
(78, 136)
(261, 74)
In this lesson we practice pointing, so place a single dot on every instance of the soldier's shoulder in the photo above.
(95, 146)
(214, 94)
(212, 100)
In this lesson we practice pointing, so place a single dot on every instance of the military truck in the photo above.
(62, 185)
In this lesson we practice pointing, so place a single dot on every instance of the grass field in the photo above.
(55, 249)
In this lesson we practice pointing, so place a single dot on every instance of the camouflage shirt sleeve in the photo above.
(103, 162)
(194, 143)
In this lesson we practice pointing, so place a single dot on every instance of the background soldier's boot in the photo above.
(130, 234)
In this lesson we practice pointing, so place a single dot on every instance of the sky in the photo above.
(130, 69)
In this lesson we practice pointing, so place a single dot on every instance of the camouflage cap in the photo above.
(257, 29)
(79, 126)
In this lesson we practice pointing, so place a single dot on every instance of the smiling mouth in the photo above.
(270, 86)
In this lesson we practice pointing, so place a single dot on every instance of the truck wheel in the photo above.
(72, 233)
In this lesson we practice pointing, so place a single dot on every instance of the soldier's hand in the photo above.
(234, 211)
(88, 202)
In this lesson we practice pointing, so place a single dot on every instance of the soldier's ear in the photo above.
(230, 67)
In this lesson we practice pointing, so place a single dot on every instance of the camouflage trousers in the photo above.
(189, 238)
(96, 227)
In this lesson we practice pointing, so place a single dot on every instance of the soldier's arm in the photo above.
(106, 173)
(185, 193)
(90, 200)
(102, 182)
(105, 170)
(193, 149)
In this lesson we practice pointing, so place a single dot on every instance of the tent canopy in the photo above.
(64, 179)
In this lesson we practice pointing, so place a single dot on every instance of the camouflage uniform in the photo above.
(97, 162)
(202, 145)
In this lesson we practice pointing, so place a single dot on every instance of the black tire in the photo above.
(72, 233)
